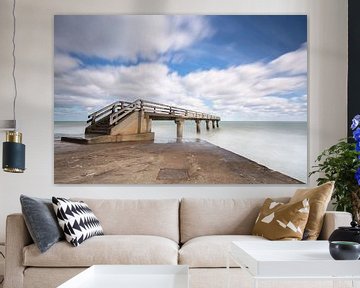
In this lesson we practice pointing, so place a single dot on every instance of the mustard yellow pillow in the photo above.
(279, 221)
(319, 198)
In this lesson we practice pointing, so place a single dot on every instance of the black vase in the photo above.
(344, 250)
(351, 234)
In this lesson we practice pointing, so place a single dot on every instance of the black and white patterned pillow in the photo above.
(77, 220)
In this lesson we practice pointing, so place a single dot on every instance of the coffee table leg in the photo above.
(339, 283)
(355, 283)
(228, 270)
(255, 283)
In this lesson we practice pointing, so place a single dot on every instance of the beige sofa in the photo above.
(194, 232)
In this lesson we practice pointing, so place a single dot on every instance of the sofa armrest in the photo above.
(333, 220)
(17, 237)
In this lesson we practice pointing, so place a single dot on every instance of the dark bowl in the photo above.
(344, 250)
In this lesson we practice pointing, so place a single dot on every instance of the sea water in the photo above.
(281, 146)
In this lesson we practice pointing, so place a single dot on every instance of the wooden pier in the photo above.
(132, 121)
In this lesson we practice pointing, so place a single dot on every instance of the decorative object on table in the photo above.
(319, 198)
(279, 221)
(13, 149)
(344, 250)
(351, 233)
(77, 220)
(41, 221)
(355, 195)
(341, 163)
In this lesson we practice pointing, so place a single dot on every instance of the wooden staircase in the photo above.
(101, 121)
(100, 127)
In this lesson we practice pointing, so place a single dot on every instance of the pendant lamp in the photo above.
(13, 149)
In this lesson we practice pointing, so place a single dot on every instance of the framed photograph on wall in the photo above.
(180, 99)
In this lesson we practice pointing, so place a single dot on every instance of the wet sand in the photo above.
(186, 162)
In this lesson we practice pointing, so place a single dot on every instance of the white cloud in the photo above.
(128, 37)
(293, 62)
(64, 63)
(257, 91)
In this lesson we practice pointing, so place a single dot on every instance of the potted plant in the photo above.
(341, 163)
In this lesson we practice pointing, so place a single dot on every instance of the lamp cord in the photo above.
(14, 61)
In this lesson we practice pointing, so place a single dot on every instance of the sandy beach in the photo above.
(186, 162)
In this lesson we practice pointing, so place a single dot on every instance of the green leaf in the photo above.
(338, 163)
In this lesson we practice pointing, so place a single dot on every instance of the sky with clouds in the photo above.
(241, 68)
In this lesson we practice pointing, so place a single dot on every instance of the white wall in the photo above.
(327, 89)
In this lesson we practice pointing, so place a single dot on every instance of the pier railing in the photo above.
(120, 109)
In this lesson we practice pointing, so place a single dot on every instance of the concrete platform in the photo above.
(146, 162)
(98, 139)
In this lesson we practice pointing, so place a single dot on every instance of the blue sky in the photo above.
(239, 67)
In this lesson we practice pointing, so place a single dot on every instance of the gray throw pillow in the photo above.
(41, 221)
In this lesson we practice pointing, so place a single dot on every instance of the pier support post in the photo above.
(197, 126)
(213, 124)
(148, 124)
(207, 125)
(179, 127)
(140, 120)
(217, 123)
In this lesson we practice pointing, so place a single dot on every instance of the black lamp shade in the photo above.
(13, 157)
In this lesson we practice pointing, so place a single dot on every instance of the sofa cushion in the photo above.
(76, 220)
(201, 217)
(158, 217)
(35, 277)
(107, 249)
(41, 221)
(279, 221)
(319, 198)
(211, 251)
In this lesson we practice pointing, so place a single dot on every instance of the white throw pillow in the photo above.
(76, 220)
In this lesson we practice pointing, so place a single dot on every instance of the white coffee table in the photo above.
(131, 276)
(296, 260)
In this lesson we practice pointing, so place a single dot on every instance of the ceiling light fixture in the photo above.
(13, 149)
